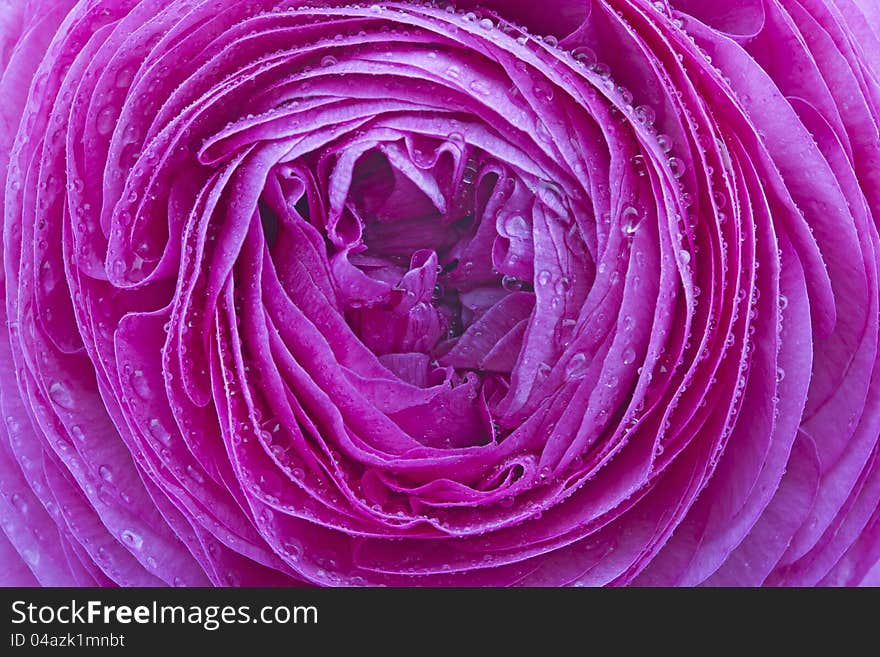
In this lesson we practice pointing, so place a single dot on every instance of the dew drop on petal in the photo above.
(19, 503)
(602, 70)
(638, 162)
(124, 77)
(511, 284)
(105, 121)
(577, 366)
(584, 56)
(159, 432)
(132, 539)
(195, 475)
(140, 385)
(481, 87)
(645, 115)
(630, 219)
(676, 165)
(453, 72)
(60, 394)
(516, 226)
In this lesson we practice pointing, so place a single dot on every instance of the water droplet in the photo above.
(140, 385)
(515, 226)
(629, 356)
(542, 133)
(195, 475)
(685, 256)
(328, 61)
(132, 539)
(638, 162)
(783, 302)
(577, 366)
(159, 432)
(676, 165)
(125, 76)
(550, 194)
(551, 41)
(293, 551)
(665, 142)
(469, 17)
(19, 503)
(31, 556)
(720, 200)
(544, 277)
(602, 70)
(453, 72)
(511, 284)
(77, 433)
(487, 24)
(544, 92)
(630, 219)
(106, 473)
(106, 120)
(584, 56)
(481, 87)
(780, 374)
(59, 394)
(645, 115)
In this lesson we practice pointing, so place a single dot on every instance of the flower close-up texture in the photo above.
(510, 293)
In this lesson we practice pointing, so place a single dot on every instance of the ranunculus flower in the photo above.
(524, 293)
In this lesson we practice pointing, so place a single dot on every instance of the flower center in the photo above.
(433, 255)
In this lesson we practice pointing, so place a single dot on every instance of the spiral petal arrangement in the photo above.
(420, 294)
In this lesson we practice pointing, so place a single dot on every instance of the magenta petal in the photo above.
(501, 293)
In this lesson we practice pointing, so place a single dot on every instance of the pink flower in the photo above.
(411, 294)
